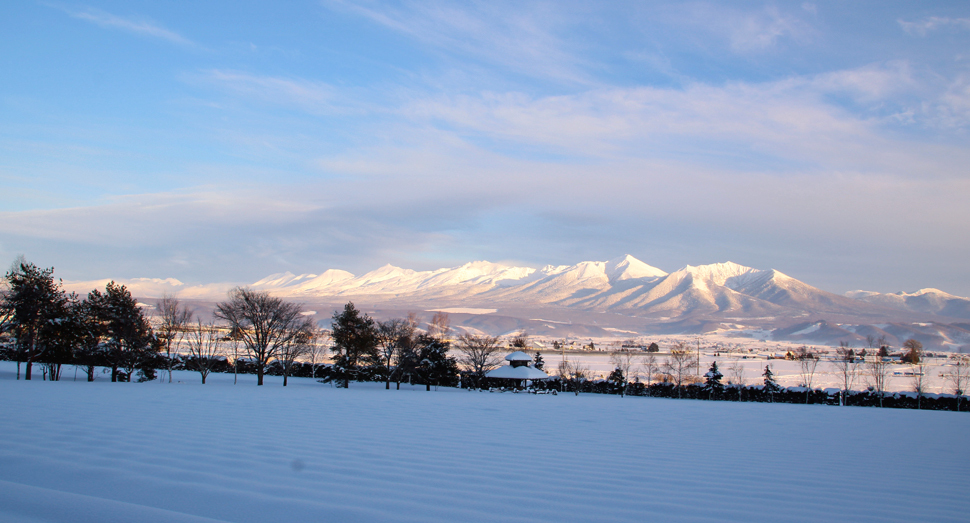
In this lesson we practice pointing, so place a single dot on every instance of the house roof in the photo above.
(517, 373)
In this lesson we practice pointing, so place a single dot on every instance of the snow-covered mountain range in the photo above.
(625, 285)
(623, 295)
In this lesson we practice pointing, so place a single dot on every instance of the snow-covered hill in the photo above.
(621, 294)
(932, 301)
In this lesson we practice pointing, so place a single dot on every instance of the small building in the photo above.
(519, 368)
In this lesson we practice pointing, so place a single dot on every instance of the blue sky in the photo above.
(224, 141)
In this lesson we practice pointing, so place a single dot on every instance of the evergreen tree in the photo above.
(130, 342)
(63, 338)
(538, 362)
(354, 342)
(712, 382)
(89, 352)
(618, 380)
(434, 365)
(771, 387)
(36, 304)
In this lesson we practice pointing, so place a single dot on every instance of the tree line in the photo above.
(108, 329)
(52, 328)
(47, 326)
(676, 377)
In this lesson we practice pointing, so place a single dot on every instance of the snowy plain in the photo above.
(786, 373)
(78, 451)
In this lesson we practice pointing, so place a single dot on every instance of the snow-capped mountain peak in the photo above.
(387, 272)
(629, 268)
(717, 273)
(282, 279)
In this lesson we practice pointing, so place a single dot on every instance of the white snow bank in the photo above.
(113, 452)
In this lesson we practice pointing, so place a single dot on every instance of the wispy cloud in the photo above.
(752, 31)
(310, 96)
(131, 25)
(791, 121)
(523, 38)
(933, 23)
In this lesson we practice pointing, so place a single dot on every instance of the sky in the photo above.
(225, 141)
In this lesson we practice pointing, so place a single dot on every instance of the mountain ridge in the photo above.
(693, 299)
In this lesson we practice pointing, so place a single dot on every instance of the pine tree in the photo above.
(771, 387)
(618, 380)
(538, 362)
(354, 341)
(712, 382)
(36, 304)
(130, 344)
(64, 337)
(434, 366)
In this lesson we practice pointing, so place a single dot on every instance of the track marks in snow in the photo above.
(312, 452)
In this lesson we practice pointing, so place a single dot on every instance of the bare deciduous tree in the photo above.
(317, 349)
(203, 343)
(440, 325)
(920, 380)
(563, 371)
(680, 364)
(959, 377)
(479, 354)
(845, 366)
(390, 334)
(877, 371)
(650, 367)
(735, 373)
(520, 341)
(578, 373)
(297, 347)
(234, 343)
(807, 363)
(173, 318)
(265, 324)
(624, 360)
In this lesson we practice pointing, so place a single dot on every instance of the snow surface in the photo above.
(184, 452)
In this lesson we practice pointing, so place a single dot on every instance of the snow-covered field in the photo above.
(786, 373)
(77, 451)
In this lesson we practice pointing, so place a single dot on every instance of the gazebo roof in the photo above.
(518, 356)
(517, 373)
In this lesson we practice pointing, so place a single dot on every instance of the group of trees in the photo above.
(393, 350)
(53, 328)
(269, 327)
(108, 329)
(676, 375)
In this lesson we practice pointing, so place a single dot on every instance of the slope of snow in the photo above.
(76, 451)
(933, 301)
(329, 279)
(559, 284)
(386, 273)
(628, 267)
(860, 294)
(717, 273)
(476, 273)
(282, 279)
